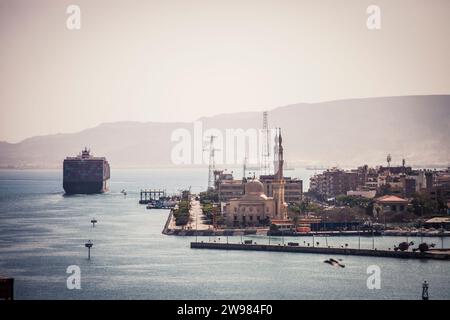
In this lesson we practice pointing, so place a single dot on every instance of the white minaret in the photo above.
(279, 183)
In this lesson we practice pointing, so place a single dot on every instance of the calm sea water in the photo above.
(42, 232)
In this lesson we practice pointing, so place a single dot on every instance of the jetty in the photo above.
(149, 195)
(436, 254)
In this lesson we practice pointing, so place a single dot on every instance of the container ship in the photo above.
(85, 174)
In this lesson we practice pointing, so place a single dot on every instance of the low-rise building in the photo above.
(230, 189)
(401, 181)
(392, 204)
(293, 188)
(283, 225)
(438, 223)
(439, 192)
(221, 176)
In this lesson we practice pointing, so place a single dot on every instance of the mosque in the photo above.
(255, 208)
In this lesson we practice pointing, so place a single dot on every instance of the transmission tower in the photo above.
(212, 164)
(244, 169)
(265, 151)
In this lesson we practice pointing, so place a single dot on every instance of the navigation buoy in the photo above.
(89, 245)
(425, 290)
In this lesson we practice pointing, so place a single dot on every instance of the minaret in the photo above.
(280, 162)
(275, 153)
(278, 184)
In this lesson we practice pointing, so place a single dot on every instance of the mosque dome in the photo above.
(254, 187)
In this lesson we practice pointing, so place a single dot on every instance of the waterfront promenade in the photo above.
(195, 222)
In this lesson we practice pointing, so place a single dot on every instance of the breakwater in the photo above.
(432, 254)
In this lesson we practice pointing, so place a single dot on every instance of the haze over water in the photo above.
(42, 232)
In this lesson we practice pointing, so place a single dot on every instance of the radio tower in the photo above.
(265, 155)
(212, 164)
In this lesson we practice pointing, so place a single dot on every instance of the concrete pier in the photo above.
(437, 254)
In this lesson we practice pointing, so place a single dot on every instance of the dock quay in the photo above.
(393, 233)
(324, 233)
(436, 254)
(207, 233)
(390, 233)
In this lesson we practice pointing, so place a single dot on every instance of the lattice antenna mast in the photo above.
(265, 149)
(212, 164)
(244, 169)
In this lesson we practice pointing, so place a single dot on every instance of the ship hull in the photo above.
(86, 187)
(85, 174)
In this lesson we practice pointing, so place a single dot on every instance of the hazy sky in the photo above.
(179, 60)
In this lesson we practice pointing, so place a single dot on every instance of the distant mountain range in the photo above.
(337, 133)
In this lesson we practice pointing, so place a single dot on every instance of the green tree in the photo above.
(422, 204)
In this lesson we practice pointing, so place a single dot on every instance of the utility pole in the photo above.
(196, 225)
(373, 240)
(359, 236)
